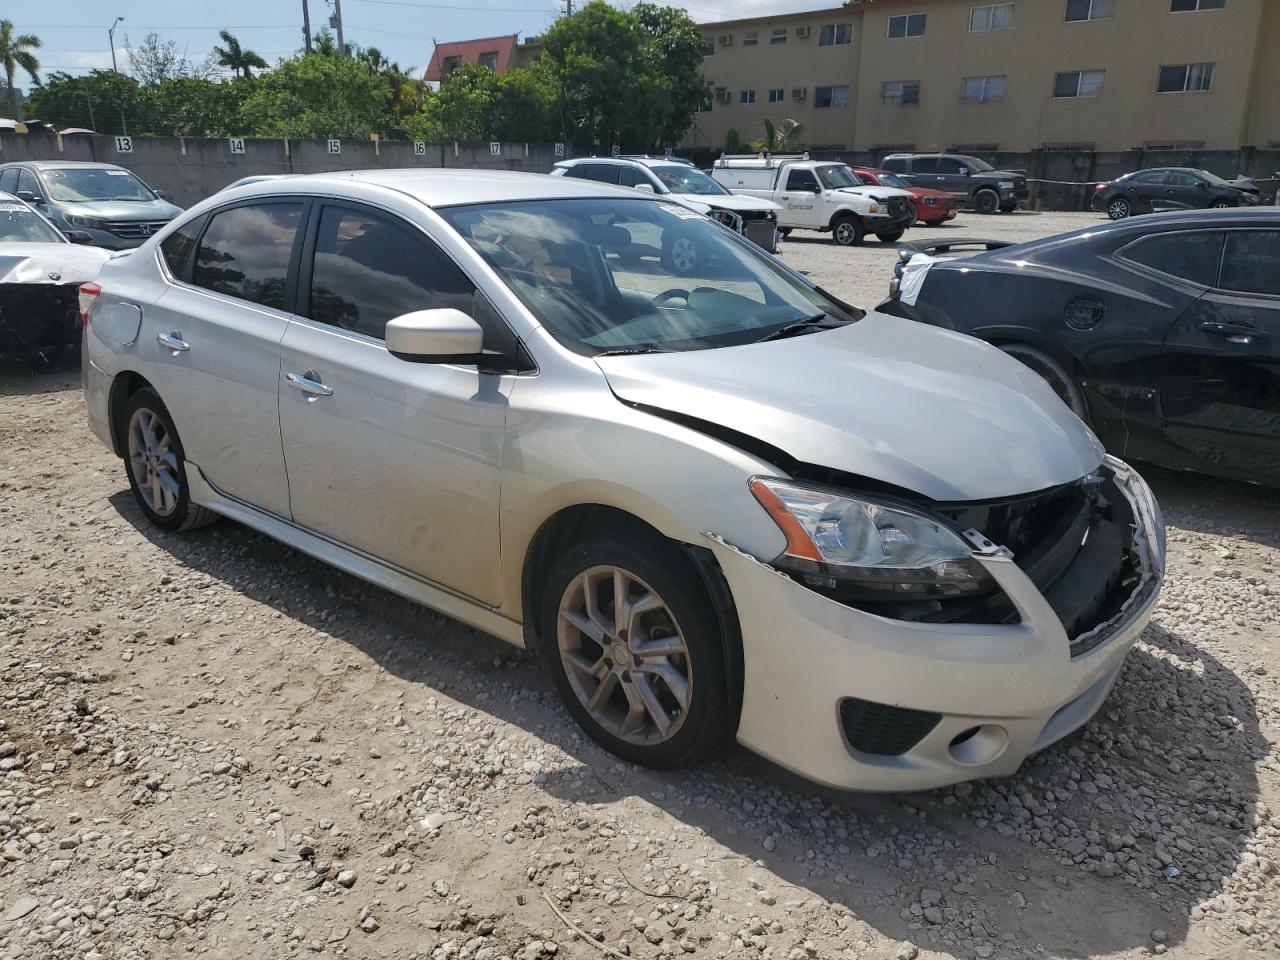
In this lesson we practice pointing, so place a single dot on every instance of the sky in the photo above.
(74, 32)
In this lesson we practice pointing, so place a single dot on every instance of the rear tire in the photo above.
(1118, 208)
(893, 236)
(651, 685)
(986, 202)
(1063, 384)
(156, 465)
(847, 231)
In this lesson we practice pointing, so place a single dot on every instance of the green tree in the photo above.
(779, 138)
(102, 100)
(235, 58)
(673, 50)
(318, 96)
(465, 107)
(15, 54)
(195, 107)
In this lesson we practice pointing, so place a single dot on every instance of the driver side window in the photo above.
(803, 181)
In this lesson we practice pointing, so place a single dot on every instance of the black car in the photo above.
(971, 181)
(1170, 188)
(1162, 333)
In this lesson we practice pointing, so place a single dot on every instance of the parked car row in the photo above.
(1171, 188)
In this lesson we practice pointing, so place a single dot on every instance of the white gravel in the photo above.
(213, 746)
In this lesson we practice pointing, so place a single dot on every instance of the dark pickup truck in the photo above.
(971, 181)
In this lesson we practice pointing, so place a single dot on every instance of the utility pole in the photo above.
(306, 26)
(337, 26)
(568, 8)
(111, 37)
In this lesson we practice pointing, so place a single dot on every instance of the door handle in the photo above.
(1233, 332)
(173, 341)
(307, 383)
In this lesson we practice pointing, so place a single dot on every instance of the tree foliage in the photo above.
(235, 58)
(16, 54)
(318, 96)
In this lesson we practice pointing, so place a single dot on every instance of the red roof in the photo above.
(470, 51)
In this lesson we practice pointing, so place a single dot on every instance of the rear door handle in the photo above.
(307, 383)
(173, 341)
(1234, 332)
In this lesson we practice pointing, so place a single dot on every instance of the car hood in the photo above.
(49, 262)
(120, 209)
(737, 202)
(875, 191)
(928, 192)
(934, 412)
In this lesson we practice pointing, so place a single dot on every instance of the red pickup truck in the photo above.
(932, 206)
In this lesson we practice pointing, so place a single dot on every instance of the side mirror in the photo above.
(646, 187)
(1202, 184)
(442, 335)
(78, 236)
(27, 196)
(162, 194)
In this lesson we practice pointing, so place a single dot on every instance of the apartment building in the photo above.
(1011, 76)
(499, 54)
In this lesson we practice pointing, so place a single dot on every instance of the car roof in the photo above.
(65, 164)
(444, 187)
(639, 161)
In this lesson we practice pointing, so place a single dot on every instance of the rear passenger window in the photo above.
(176, 248)
(925, 165)
(245, 252)
(896, 164)
(1251, 262)
(603, 172)
(1191, 256)
(369, 269)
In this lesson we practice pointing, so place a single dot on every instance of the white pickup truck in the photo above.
(818, 195)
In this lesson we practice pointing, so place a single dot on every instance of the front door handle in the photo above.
(173, 341)
(1240, 333)
(309, 383)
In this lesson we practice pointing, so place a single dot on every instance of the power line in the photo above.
(447, 6)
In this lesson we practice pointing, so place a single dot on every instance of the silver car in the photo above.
(884, 555)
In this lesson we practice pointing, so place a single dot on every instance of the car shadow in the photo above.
(34, 376)
(1216, 506)
(1121, 829)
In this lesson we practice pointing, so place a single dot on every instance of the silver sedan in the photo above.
(723, 505)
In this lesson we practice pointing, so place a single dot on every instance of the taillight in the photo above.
(89, 294)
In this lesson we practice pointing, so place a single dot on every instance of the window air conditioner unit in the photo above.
(799, 93)
(726, 39)
(802, 33)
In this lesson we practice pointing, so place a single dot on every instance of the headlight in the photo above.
(88, 223)
(930, 201)
(1007, 184)
(875, 208)
(867, 550)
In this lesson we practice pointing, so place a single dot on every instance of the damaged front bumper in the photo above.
(863, 702)
(38, 319)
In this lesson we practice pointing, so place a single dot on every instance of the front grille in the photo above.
(882, 730)
(897, 207)
(136, 229)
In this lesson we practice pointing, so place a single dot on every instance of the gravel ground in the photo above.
(212, 745)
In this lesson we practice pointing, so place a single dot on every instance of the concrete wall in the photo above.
(191, 169)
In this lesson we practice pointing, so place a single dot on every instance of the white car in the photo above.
(882, 554)
(820, 195)
(754, 217)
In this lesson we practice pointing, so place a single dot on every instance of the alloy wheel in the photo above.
(1118, 209)
(1220, 205)
(154, 461)
(624, 655)
(684, 255)
(845, 234)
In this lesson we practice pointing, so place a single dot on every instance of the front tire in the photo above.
(986, 202)
(1118, 208)
(848, 231)
(632, 644)
(892, 236)
(156, 465)
(1063, 384)
(1222, 204)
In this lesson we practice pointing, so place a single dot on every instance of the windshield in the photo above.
(679, 179)
(20, 224)
(1214, 178)
(606, 275)
(977, 164)
(891, 180)
(95, 183)
(837, 175)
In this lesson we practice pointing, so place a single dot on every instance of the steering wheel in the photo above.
(675, 293)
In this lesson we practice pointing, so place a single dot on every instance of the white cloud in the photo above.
(77, 60)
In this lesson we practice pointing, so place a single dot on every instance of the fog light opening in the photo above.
(979, 745)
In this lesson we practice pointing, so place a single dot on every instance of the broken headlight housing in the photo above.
(862, 550)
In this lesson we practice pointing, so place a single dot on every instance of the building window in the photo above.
(835, 34)
(824, 97)
(778, 36)
(1185, 78)
(746, 96)
(777, 95)
(750, 38)
(901, 92)
(906, 25)
(722, 94)
(991, 16)
(1079, 83)
(983, 89)
(705, 105)
(708, 46)
(1090, 10)
(449, 65)
(489, 61)
(1187, 6)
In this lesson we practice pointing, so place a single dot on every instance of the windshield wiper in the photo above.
(809, 324)
(630, 351)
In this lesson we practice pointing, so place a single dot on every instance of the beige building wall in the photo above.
(1130, 48)
(800, 62)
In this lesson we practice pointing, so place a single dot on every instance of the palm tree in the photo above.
(239, 61)
(781, 137)
(15, 53)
